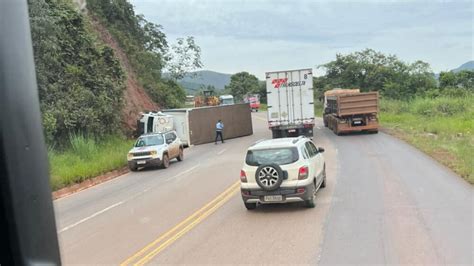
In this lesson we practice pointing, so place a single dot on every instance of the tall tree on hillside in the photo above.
(183, 58)
(243, 83)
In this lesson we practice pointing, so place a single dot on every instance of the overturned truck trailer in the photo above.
(198, 125)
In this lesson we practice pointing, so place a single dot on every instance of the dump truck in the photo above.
(290, 103)
(350, 111)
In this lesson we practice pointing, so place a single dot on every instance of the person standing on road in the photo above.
(219, 129)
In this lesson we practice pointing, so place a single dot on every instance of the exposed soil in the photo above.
(136, 99)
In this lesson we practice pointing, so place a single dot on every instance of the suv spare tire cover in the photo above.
(269, 176)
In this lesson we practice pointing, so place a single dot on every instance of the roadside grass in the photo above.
(263, 107)
(86, 158)
(442, 127)
(318, 108)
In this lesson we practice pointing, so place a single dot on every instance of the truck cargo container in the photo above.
(290, 103)
(198, 125)
(351, 111)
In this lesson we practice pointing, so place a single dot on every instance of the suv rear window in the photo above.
(279, 156)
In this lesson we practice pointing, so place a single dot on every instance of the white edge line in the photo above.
(221, 152)
(90, 217)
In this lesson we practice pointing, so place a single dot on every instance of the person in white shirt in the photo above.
(219, 129)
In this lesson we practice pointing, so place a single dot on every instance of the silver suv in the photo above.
(155, 149)
(282, 170)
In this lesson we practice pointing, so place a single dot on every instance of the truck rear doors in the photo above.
(290, 97)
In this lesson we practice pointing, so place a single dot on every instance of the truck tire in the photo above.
(250, 206)
(310, 203)
(325, 121)
(133, 168)
(269, 176)
(276, 134)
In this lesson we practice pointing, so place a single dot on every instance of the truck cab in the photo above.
(226, 100)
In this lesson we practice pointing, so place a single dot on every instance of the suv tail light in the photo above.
(243, 177)
(303, 172)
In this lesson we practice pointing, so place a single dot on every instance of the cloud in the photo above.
(437, 32)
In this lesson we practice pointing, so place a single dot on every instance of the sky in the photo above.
(266, 35)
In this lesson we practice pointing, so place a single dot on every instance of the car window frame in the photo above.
(311, 153)
(315, 149)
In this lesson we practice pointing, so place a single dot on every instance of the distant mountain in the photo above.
(195, 80)
(466, 66)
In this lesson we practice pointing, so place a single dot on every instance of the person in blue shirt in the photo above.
(219, 129)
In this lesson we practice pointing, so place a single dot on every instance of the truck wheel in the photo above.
(166, 161)
(250, 206)
(275, 134)
(181, 155)
(133, 168)
(325, 123)
(309, 203)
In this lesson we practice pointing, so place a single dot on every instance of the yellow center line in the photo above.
(190, 226)
(221, 196)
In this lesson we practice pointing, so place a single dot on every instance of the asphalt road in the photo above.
(385, 203)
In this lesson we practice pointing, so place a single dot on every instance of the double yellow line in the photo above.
(147, 253)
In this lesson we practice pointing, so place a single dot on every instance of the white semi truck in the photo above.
(290, 103)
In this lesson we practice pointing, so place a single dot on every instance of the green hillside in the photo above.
(193, 81)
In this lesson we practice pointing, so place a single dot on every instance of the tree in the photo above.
(80, 82)
(183, 58)
(243, 83)
(369, 70)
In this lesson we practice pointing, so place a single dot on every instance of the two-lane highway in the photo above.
(385, 203)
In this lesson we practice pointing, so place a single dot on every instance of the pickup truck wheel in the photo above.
(310, 202)
(166, 161)
(181, 155)
(133, 168)
(323, 184)
(250, 206)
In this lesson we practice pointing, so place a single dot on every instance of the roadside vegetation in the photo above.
(87, 158)
(81, 81)
(436, 116)
(442, 127)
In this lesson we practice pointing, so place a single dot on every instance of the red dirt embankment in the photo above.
(136, 99)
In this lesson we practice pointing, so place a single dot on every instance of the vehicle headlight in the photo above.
(130, 156)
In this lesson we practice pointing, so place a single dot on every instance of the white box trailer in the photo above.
(181, 123)
(290, 103)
